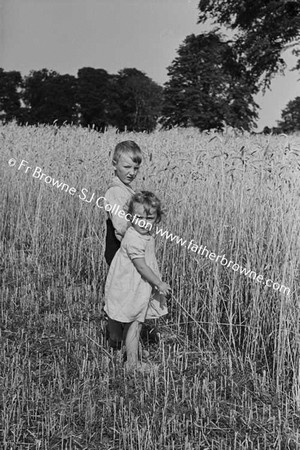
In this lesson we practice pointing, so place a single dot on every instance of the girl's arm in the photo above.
(149, 275)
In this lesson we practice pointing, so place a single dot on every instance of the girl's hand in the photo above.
(164, 288)
(162, 301)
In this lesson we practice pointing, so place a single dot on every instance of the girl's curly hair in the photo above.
(148, 200)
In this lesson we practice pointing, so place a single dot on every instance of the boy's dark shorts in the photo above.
(117, 332)
(112, 244)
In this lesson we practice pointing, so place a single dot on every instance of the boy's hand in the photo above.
(164, 288)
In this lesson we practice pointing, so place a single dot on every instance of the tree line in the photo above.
(129, 100)
(212, 81)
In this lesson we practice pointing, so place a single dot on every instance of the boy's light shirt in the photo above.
(118, 194)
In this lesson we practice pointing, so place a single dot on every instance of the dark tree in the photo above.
(139, 99)
(290, 117)
(49, 97)
(263, 29)
(208, 86)
(10, 87)
(96, 97)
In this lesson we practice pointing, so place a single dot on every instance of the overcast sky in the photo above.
(65, 35)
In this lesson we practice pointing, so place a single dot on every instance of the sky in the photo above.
(65, 35)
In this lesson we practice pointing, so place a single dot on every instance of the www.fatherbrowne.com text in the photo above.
(199, 249)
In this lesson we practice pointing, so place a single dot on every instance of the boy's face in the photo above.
(126, 169)
(142, 221)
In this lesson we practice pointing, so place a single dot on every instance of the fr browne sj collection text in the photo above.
(40, 175)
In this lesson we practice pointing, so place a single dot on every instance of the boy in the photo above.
(127, 158)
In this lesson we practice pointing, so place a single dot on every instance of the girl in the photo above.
(133, 275)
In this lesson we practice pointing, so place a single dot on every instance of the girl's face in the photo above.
(142, 221)
(125, 169)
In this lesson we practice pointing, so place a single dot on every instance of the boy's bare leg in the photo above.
(132, 343)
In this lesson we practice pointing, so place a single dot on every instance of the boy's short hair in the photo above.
(148, 200)
(127, 148)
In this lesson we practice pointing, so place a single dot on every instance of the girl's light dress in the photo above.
(128, 297)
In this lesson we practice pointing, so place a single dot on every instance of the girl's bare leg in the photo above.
(132, 343)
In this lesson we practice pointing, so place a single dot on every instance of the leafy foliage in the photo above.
(290, 117)
(10, 85)
(129, 100)
(139, 100)
(208, 85)
(95, 97)
(50, 97)
(264, 28)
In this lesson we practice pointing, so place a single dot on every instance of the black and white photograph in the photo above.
(149, 225)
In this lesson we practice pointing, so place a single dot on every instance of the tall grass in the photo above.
(228, 363)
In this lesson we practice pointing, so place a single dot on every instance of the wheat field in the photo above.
(228, 372)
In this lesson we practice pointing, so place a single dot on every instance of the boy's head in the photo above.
(127, 159)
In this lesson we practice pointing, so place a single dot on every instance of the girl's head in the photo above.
(127, 159)
(145, 210)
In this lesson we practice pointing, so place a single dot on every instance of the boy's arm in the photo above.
(115, 196)
(149, 275)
